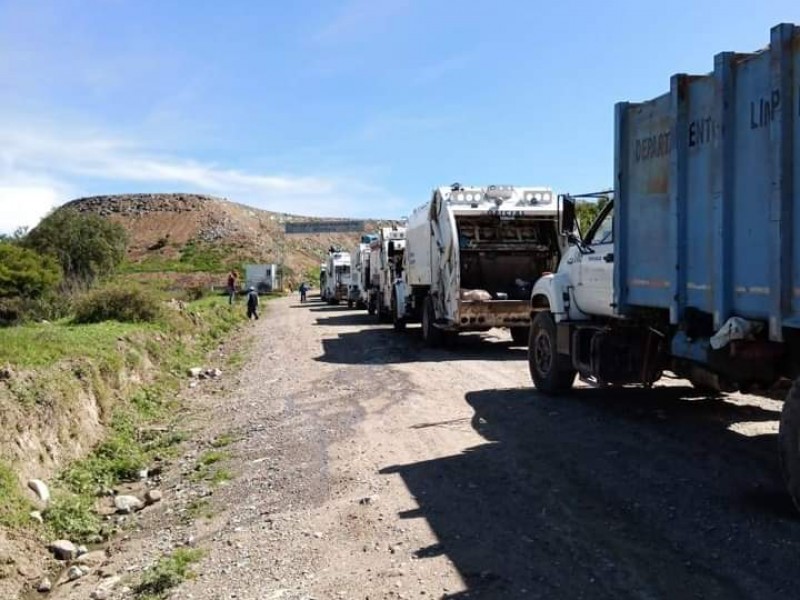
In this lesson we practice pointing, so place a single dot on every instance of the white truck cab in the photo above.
(583, 284)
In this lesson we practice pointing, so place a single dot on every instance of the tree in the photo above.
(86, 246)
(25, 273)
(587, 211)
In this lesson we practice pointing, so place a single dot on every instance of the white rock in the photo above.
(153, 496)
(45, 585)
(127, 504)
(143, 474)
(37, 516)
(81, 550)
(76, 572)
(63, 549)
(195, 372)
(40, 489)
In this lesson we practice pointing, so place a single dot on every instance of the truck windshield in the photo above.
(603, 231)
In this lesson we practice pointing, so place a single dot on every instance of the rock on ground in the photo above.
(63, 549)
(39, 488)
(127, 504)
(153, 496)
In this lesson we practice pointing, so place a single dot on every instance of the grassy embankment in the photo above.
(66, 359)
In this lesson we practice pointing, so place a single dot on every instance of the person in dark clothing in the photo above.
(303, 290)
(252, 303)
(232, 277)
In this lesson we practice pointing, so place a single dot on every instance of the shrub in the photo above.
(167, 574)
(26, 273)
(118, 303)
(86, 245)
(73, 517)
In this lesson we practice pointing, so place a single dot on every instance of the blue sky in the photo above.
(335, 108)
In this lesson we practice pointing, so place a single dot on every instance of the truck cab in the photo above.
(583, 284)
(577, 328)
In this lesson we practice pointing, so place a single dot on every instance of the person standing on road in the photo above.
(252, 303)
(303, 291)
(232, 277)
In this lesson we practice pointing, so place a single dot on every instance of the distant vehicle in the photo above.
(337, 276)
(359, 281)
(261, 277)
(385, 261)
(471, 257)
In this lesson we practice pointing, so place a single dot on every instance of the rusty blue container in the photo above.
(707, 206)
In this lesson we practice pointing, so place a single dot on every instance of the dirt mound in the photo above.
(165, 228)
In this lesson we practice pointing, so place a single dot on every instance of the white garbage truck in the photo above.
(359, 281)
(471, 257)
(338, 276)
(385, 259)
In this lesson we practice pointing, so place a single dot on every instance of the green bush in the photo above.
(167, 574)
(26, 273)
(86, 246)
(73, 517)
(118, 303)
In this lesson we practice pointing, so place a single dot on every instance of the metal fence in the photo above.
(324, 227)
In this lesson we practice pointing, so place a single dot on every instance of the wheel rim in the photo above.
(543, 354)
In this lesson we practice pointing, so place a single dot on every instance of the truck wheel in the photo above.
(371, 307)
(789, 442)
(551, 372)
(398, 321)
(430, 333)
(349, 304)
(519, 335)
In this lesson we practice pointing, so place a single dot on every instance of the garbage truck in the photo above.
(385, 260)
(359, 281)
(692, 267)
(472, 255)
(337, 280)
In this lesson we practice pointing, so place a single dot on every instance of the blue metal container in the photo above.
(706, 204)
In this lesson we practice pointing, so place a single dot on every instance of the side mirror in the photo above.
(566, 215)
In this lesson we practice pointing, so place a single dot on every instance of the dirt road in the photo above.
(368, 466)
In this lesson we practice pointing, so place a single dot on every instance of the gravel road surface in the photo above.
(367, 466)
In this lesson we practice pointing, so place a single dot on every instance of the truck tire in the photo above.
(398, 322)
(432, 335)
(789, 442)
(371, 306)
(551, 372)
(520, 335)
(350, 304)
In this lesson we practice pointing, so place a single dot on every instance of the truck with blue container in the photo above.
(692, 266)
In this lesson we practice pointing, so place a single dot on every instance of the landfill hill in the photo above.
(195, 238)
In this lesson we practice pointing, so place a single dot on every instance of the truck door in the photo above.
(594, 293)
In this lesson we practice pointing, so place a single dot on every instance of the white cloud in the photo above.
(49, 168)
(24, 206)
